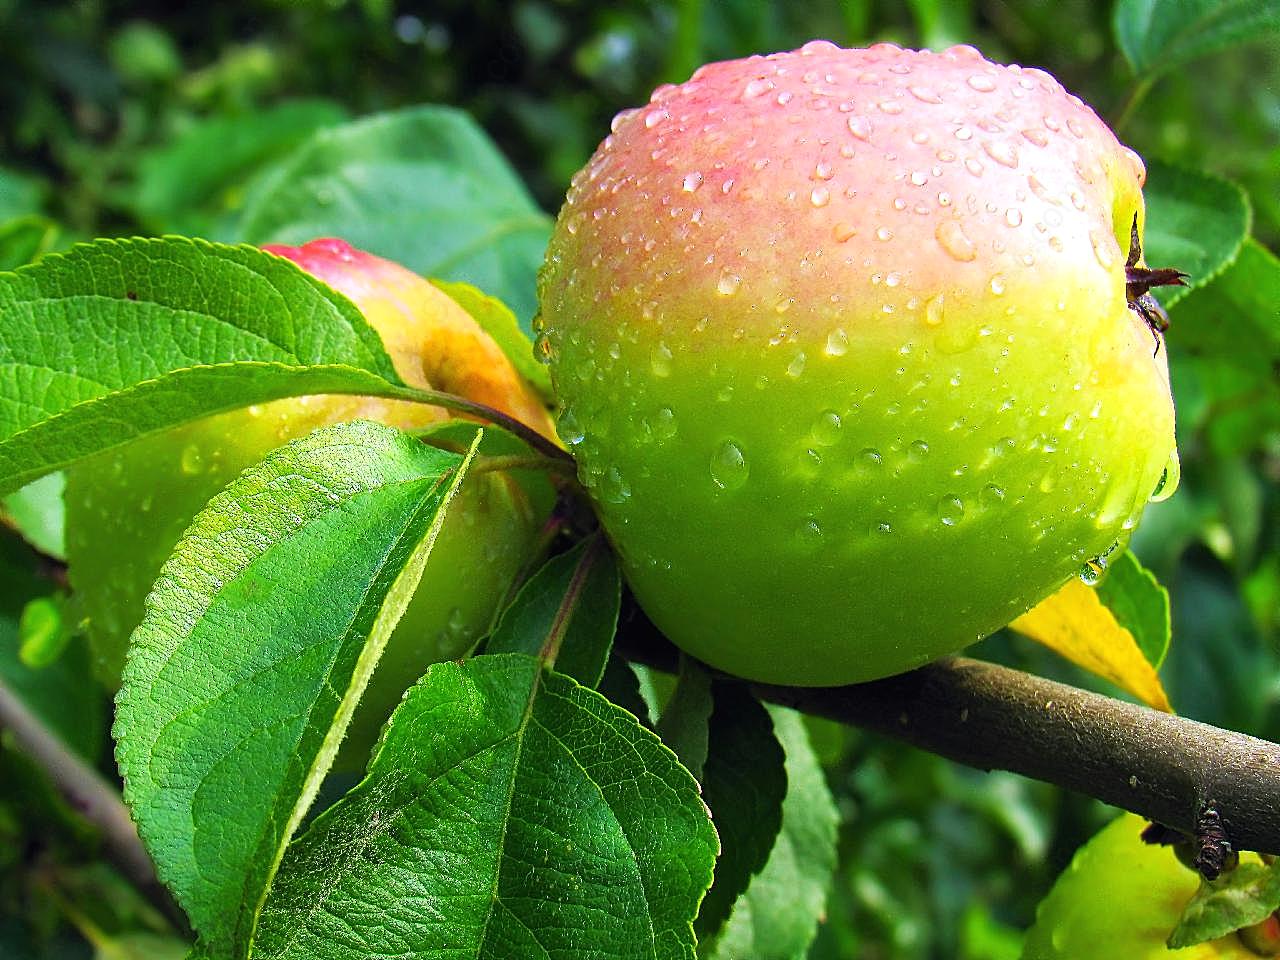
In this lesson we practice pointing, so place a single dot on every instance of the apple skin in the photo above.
(127, 508)
(1119, 900)
(841, 346)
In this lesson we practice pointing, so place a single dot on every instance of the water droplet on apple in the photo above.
(729, 466)
(192, 460)
(950, 510)
(837, 343)
(1168, 479)
(569, 428)
(951, 237)
(728, 284)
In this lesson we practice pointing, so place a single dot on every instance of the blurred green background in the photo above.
(120, 118)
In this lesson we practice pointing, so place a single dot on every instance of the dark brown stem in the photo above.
(450, 401)
(1163, 767)
(91, 796)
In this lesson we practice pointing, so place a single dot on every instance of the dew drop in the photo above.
(837, 343)
(860, 127)
(1038, 137)
(655, 117)
(192, 460)
(820, 196)
(823, 171)
(843, 231)
(756, 88)
(1168, 479)
(870, 457)
(1103, 249)
(884, 233)
(925, 94)
(660, 360)
(809, 535)
(613, 487)
(951, 237)
(890, 107)
(917, 451)
(950, 510)
(664, 423)
(997, 285)
(796, 366)
(729, 466)
(826, 429)
(974, 166)
(569, 428)
(981, 83)
(728, 284)
(882, 528)
(692, 181)
(1013, 216)
(1091, 572)
(1002, 152)
(934, 310)
(991, 495)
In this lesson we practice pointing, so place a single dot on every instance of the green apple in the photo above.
(842, 347)
(1119, 900)
(126, 509)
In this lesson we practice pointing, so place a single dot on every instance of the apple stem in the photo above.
(1161, 766)
(451, 401)
(519, 462)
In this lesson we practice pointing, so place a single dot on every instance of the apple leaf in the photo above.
(571, 606)
(1139, 604)
(744, 781)
(423, 186)
(798, 872)
(1226, 343)
(25, 239)
(185, 183)
(259, 638)
(120, 338)
(1240, 898)
(1195, 223)
(684, 723)
(1159, 35)
(621, 686)
(1075, 624)
(508, 812)
(36, 511)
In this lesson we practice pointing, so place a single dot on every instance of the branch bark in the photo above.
(1163, 767)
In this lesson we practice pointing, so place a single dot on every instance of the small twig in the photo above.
(1163, 767)
(518, 462)
(90, 795)
(509, 423)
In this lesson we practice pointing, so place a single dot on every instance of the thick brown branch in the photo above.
(1163, 767)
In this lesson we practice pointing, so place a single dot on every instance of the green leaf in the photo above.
(744, 782)
(25, 239)
(19, 194)
(203, 170)
(117, 339)
(621, 686)
(685, 721)
(497, 320)
(1195, 223)
(1159, 35)
(570, 605)
(777, 918)
(423, 186)
(1139, 604)
(37, 512)
(509, 812)
(259, 638)
(1226, 338)
(1244, 896)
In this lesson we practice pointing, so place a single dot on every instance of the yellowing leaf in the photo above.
(1075, 624)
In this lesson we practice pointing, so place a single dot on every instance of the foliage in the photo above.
(445, 142)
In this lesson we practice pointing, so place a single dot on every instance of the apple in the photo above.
(843, 349)
(1119, 900)
(127, 508)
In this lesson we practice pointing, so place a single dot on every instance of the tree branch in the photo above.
(1163, 767)
(89, 794)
